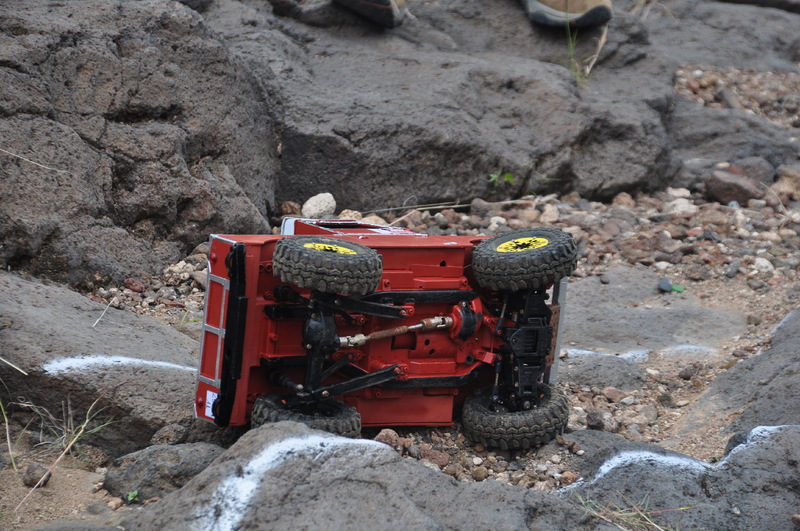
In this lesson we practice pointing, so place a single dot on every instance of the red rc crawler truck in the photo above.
(340, 324)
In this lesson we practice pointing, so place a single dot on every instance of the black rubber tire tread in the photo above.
(329, 272)
(332, 416)
(517, 430)
(533, 268)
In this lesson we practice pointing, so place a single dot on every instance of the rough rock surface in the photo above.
(584, 368)
(691, 494)
(759, 391)
(607, 313)
(158, 470)
(141, 372)
(754, 487)
(129, 132)
(149, 125)
(477, 83)
(285, 475)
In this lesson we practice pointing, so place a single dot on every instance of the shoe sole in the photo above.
(541, 14)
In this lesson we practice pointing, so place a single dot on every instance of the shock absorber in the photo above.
(498, 363)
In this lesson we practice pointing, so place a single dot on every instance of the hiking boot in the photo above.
(580, 13)
(387, 13)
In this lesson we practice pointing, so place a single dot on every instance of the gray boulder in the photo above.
(129, 133)
(158, 470)
(760, 390)
(587, 368)
(286, 475)
(464, 89)
(268, 477)
(756, 486)
(141, 372)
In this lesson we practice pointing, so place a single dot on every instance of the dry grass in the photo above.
(634, 517)
(67, 433)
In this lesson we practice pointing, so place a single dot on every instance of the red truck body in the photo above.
(428, 329)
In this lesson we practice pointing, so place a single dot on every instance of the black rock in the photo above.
(33, 474)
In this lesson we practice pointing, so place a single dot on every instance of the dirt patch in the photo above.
(75, 483)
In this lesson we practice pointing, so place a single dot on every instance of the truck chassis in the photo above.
(341, 324)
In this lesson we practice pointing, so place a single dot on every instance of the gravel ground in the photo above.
(774, 96)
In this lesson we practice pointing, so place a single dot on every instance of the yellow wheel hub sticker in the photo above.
(521, 244)
(328, 248)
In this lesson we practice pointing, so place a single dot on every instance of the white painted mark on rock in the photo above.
(637, 356)
(694, 351)
(230, 501)
(579, 352)
(639, 457)
(84, 363)
(757, 436)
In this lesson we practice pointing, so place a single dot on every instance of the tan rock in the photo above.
(623, 199)
(529, 215)
(614, 394)
(480, 473)
(568, 477)
(549, 214)
(436, 457)
(115, 503)
(374, 219)
(291, 208)
(350, 214)
(389, 437)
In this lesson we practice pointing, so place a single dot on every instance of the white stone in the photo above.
(680, 205)
(763, 265)
(320, 206)
(677, 193)
(770, 237)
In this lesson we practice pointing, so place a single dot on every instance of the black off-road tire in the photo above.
(515, 430)
(327, 264)
(526, 259)
(330, 415)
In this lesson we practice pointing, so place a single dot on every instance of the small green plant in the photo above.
(635, 517)
(185, 319)
(573, 62)
(499, 177)
(580, 68)
(133, 496)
